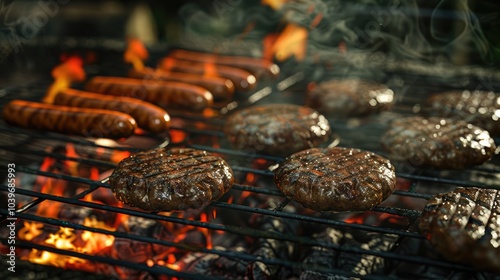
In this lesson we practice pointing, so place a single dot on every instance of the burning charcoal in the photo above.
(271, 248)
(348, 262)
(411, 270)
(214, 265)
(136, 251)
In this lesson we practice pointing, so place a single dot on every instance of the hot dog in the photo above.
(257, 66)
(86, 122)
(162, 93)
(147, 115)
(242, 79)
(221, 88)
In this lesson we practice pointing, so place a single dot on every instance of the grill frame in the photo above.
(283, 85)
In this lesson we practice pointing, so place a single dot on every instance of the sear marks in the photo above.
(277, 129)
(350, 98)
(436, 142)
(464, 226)
(480, 108)
(167, 180)
(336, 179)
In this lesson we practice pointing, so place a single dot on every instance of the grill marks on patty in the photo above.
(437, 142)
(464, 226)
(336, 179)
(168, 180)
(194, 161)
(277, 129)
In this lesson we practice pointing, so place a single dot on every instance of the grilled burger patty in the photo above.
(277, 129)
(480, 108)
(336, 179)
(167, 180)
(350, 98)
(464, 226)
(437, 142)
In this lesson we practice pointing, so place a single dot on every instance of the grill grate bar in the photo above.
(440, 180)
(245, 231)
(156, 269)
(324, 221)
(245, 256)
(62, 138)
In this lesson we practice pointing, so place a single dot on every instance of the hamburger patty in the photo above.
(480, 108)
(436, 142)
(167, 180)
(350, 98)
(464, 226)
(336, 179)
(277, 129)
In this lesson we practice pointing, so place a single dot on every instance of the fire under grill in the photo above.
(67, 216)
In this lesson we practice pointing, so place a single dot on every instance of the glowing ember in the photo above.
(214, 213)
(64, 74)
(136, 53)
(376, 219)
(291, 41)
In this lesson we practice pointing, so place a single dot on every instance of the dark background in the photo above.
(460, 32)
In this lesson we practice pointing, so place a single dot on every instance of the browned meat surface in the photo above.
(350, 98)
(277, 129)
(87, 122)
(480, 108)
(336, 179)
(165, 94)
(464, 226)
(436, 142)
(167, 180)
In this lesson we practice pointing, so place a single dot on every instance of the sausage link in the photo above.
(257, 66)
(147, 115)
(162, 93)
(86, 122)
(221, 88)
(242, 79)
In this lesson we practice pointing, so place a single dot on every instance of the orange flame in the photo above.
(71, 165)
(205, 231)
(290, 42)
(50, 209)
(209, 69)
(95, 242)
(66, 239)
(274, 4)
(30, 230)
(166, 64)
(64, 74)
(136, 53)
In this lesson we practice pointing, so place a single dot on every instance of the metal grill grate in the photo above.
(30, 148)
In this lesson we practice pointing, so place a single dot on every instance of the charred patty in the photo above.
(277, 129)
(480, 108)
(350, 98)
(464, 226)
(171, 179)
(437, 142)
(336, 179)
